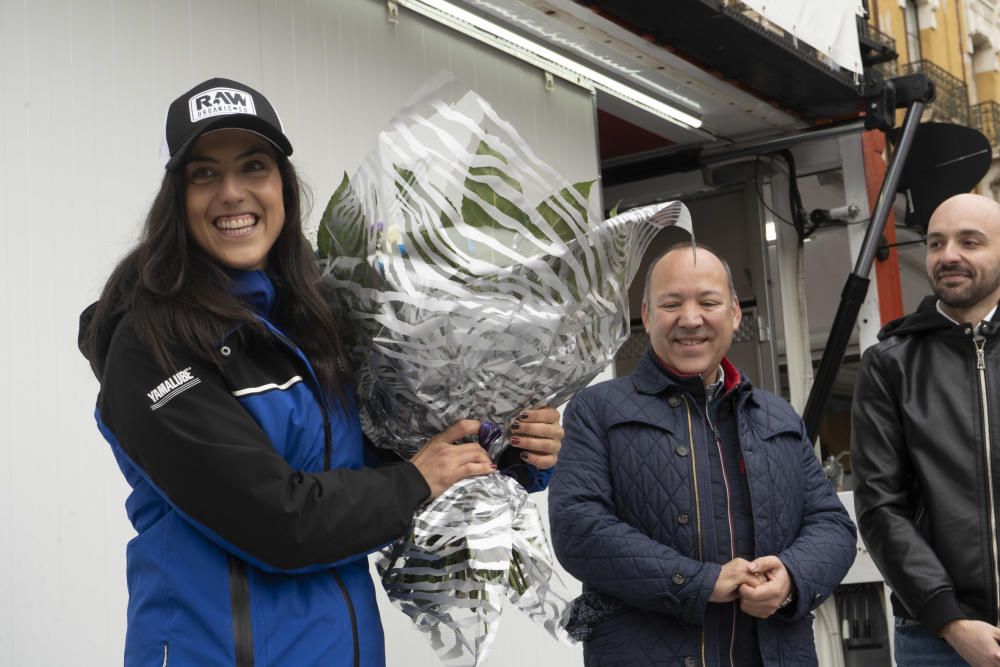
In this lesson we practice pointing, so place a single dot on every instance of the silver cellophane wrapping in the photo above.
(475, 283)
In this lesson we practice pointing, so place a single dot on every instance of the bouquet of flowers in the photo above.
(478, 283)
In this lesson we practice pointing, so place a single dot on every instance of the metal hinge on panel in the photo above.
(391, 12)
(763, 331)
(550, 82)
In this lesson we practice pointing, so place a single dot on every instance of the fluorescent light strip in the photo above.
(556, 63)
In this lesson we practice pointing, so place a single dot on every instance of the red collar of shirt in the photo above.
(731, 374)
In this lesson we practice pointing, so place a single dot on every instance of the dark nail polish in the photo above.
(515, 425)
(516, 442)
(524, 415)
(524, 456)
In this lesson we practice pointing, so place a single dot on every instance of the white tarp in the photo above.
(829, 26)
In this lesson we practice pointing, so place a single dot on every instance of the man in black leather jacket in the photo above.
(926, 447)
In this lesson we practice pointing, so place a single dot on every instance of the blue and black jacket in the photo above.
(251, 499)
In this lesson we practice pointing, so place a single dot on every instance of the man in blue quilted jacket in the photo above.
(690, 504)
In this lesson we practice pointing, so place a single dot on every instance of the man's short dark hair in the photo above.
(692, 245)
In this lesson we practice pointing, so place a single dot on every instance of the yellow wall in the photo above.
(987, 86)
(944, 45)
(890, 21)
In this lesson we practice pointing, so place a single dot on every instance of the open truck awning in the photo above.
(738, 72)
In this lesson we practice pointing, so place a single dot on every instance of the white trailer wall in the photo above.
(83, 89)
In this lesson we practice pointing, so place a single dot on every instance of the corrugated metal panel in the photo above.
(83, 88)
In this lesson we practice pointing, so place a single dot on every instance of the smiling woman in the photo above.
(234, 202)
(227, 403)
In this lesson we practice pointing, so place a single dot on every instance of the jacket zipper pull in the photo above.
(980, 355)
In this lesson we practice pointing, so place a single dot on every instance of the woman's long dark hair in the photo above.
(179, 297)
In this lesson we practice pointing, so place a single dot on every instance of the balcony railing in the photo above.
(876, 46)
(889, 69)
(986, 119)
(952, 101)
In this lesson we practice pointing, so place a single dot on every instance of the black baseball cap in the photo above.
(219, 104)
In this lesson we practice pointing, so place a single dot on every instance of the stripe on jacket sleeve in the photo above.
(268, 387)
(207, 457)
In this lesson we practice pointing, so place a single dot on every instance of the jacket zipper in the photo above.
(981, 367)
(350, 611)
(732, 539)
(327, 452)
(729, 521)
(327, 456)
(239, 593)
(336, 575)
(697, 508)
(327, 441)
(317, 390)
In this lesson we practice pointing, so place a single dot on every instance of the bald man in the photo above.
(689, 503)
(925, 447)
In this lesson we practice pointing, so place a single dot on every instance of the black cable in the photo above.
(794, 197)
(795, 201)
(760, 194)
(799, 216)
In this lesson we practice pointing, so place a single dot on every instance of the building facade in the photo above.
(954, 42)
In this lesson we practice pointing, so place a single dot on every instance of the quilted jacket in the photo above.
(629, 517)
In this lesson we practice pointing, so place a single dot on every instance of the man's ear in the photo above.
(737, 314)
(645, 317)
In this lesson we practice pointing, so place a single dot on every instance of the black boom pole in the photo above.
(856, 287)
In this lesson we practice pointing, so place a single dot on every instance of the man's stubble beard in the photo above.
(978, 289)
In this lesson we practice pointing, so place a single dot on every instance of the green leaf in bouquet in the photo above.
(473, 213)
(484, 149)
(516, 577)
(344, 213)
(429, 243)
(483, 210)
(554, 209)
